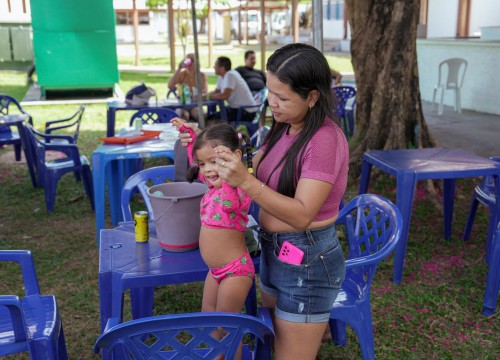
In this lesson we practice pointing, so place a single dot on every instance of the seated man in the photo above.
(255, 79)
(232, 88)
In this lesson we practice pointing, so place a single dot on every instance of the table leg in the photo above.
(366, 169)
(98, 177)
(142, 300)
(448, 201)
(111, 118)
(115, 184)
(405, 185)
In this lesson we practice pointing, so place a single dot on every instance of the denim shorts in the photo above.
(306, 292)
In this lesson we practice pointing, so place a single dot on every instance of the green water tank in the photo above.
(74, 43)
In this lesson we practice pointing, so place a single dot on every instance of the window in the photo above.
(126, 17)
(334, 10)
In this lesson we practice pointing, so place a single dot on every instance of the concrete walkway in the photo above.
(472, 131)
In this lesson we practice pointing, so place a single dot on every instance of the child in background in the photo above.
(224, 217)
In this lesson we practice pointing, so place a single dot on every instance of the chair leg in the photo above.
(458, 100)
(17, 152)
(441, 103)
(62, 352)
(50, 192)
(470, 219)
(493, 279)
(433, 99)
(492, 226)
(88, 184)
(338, 332)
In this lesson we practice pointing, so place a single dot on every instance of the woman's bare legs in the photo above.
(300, 341)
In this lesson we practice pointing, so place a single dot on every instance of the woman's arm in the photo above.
(177, 78)
(298, 212)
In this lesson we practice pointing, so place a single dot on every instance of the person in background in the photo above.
(186, 74)
(300, 178)
(336, 77)
(231, 88)
(255, 79)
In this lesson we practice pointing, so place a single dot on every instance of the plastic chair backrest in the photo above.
(455, 74)
(259, 103)
(142, 181)
(258, 137)
(342, 94)
(373, 226)
(73, 121)
(187, 336)
(5, 106)
(153, 116)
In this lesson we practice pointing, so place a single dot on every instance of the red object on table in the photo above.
(145, 135)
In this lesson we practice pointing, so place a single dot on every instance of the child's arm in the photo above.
(189, 148)
(232, 198)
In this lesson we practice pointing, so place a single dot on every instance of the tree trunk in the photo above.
(384, 57)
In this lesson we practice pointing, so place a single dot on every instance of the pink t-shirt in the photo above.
(326, 158)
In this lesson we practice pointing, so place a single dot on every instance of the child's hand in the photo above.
(177, 122)
(186, 130)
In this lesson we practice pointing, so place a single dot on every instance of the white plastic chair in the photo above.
(454, 81)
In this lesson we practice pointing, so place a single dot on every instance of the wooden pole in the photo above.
(136, 33)
(295, 20)
(171, 35)
(210, 34)
(262, 36)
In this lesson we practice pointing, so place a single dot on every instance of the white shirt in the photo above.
(241, 94)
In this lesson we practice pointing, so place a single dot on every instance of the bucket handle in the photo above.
(164, 211)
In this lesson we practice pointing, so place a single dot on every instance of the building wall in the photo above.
(442, 18)
(483, 13)
(480, 88)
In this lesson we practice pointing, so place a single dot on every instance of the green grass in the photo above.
(434, 314)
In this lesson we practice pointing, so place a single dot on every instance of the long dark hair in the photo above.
(219, 134)
(303, 68)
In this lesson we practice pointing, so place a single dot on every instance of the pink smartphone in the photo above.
(291, 254)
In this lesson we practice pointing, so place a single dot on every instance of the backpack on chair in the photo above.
(139, 95)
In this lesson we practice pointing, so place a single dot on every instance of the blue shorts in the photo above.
(306, 292)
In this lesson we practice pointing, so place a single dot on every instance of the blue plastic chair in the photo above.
(141, 182)
(188, 336)
(153, 116)
(31, 323)
(343, 95)
(8, 106)
(373, 226)
(258, 137)
(73, 121)
(260, 104)
(484, 194)
(493, 279)
(49, 172)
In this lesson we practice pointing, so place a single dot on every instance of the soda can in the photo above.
(141, 226)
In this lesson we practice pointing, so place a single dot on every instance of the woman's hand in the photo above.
(185, 136)
(231, 168)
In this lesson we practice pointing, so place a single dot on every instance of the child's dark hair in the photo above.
(219, 134)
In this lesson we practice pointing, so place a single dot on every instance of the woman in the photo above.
(301, 175)
(186, 74)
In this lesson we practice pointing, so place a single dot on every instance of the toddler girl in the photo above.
(224, 216)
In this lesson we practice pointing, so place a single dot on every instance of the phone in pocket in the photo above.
(291, 254)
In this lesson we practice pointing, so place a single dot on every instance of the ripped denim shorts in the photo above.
(305, 292)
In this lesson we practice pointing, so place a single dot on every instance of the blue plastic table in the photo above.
(105, 169)
(125, 264)
(114, 106)
(410, 166)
